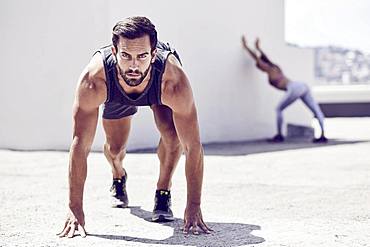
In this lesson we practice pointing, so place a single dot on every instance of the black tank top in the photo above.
(151, 94)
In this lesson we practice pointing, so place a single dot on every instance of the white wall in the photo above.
(46, 44)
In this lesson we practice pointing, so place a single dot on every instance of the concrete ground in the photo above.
(254, 194)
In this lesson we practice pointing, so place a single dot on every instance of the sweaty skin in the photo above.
(177, 122)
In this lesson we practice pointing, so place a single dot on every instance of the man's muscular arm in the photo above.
(177, 94)
(89, 95)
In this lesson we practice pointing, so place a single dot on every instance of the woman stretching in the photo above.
(294, 90)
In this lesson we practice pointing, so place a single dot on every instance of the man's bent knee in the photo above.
(114, 150)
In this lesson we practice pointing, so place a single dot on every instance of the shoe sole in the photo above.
(116, 203)
(162, 218)
(274, 141)
(119, 206)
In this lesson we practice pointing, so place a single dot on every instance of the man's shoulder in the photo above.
(95, 68)
(175, 84)
(93, 76)
(92, 86)
(173, 69)
(173, 74)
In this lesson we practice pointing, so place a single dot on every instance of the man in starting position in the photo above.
(136, 70)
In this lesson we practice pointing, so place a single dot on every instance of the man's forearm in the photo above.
(77, 177)
(194, 175)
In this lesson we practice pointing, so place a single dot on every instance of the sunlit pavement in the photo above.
(262, 195)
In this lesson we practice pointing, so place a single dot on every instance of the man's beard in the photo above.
(130, 81)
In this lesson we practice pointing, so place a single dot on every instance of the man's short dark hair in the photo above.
(133, 28)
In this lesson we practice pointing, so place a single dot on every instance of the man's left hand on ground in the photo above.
(193, 221)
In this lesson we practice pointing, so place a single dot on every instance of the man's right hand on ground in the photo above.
(75, 221)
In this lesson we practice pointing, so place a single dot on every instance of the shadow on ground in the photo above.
(261, 146)
(225, 234)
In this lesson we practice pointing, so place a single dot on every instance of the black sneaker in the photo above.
(162, 209)
(322, 139)
(276, 138)
(119, 193)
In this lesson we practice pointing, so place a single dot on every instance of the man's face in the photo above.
(134, 58)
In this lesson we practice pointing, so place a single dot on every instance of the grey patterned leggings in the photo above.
(296, 90)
